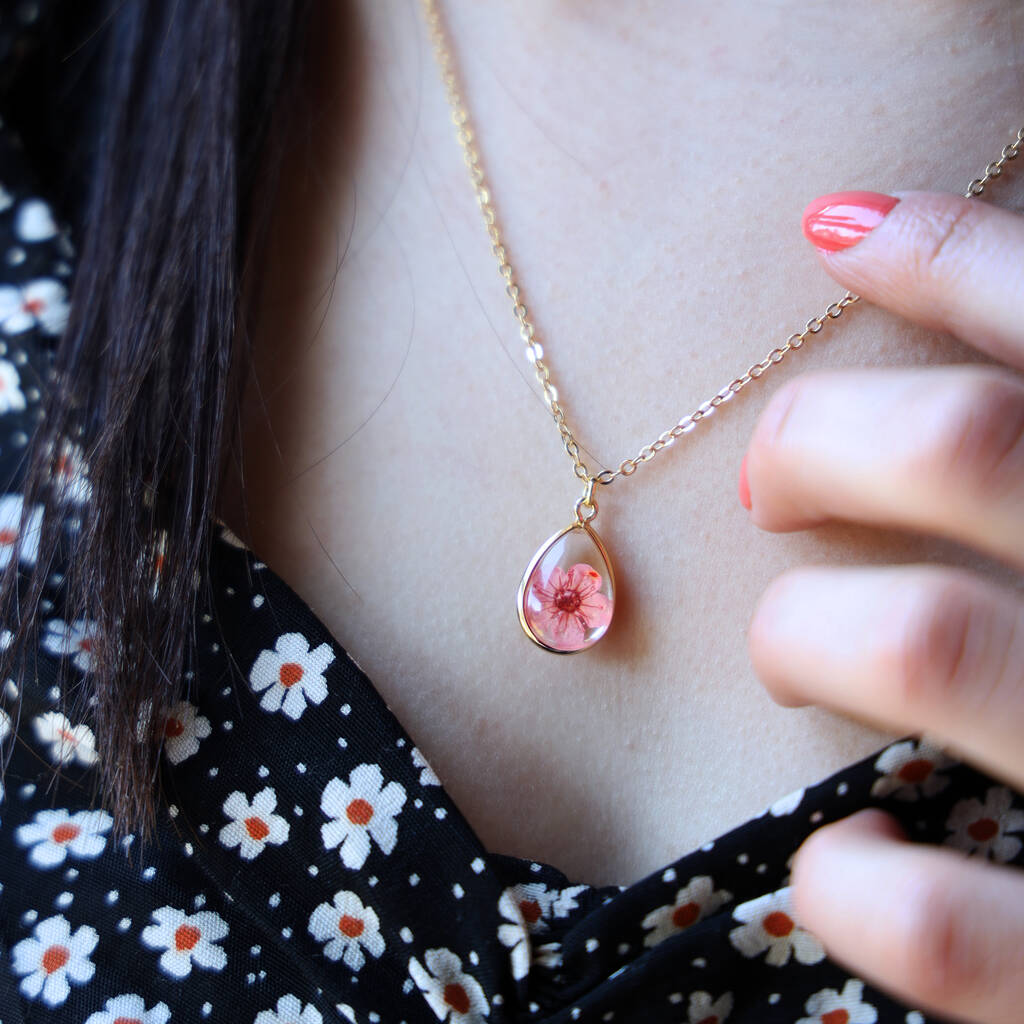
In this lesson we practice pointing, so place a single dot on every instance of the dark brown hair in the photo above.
(173, 113)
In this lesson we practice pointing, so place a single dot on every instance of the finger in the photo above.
(937, 448)
(908, 648)
(946, 262)
(938, 930)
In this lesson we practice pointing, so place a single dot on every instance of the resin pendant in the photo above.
(567, 595)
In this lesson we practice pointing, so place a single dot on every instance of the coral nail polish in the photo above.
(744, 487)
(841, 219)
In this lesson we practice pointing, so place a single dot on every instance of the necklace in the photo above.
(566, 598)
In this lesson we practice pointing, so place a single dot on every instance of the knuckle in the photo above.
(944, 954)
(979, 439)
(948, 235)
(933, 663)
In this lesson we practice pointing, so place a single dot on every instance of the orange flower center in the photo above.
(455, 996)
(65, 833)
(916, 771)
(186, 936)
(360, 811)
(33, 306)
(835, 1017)
(55, 958)
(290, 673)
(530, 909)
(350, 926)
(983, 829)
(8, 536)
(713, 1019)
(257, 828)
(778, 924)
(173, 727)
(683, 916)
(127, 1020)
(69, 736)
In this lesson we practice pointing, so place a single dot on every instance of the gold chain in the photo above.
(534, 352)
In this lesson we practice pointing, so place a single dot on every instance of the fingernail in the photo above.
(744, 485)
(841, 219)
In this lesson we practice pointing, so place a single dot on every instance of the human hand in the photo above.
(916, 648)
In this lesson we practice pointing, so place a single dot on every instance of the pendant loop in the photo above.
(586, 506)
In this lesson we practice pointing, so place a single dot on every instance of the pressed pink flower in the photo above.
(571, 603)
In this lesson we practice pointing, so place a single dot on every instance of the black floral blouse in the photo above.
(309, 865)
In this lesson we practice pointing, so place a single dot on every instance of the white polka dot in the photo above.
(263, 771)
(458, 891)
(414, 879)
(149, 873)
(474, 957)
(215, 648)
(286, 933)
(53, 693)
(227, 726)
(212, 772)
(372, 880)
(250, 978)
(300, 768)
(610, 1015)
(230, 591)
(407, 986)
(71, 874)
(188, 849)
(297, 810)
(274, 899)
(257, 601)
(669, 875)
(417, 803)
(346, 709)
(374, 1018)
(498, 1000)
(592, 944)
(774, 998)
(124, 924)
(534, 1007)
(263, 975)
(29, 916)
(342, 742)
(575, 1013)
(207, 1009)
(535, 867)
(477, 865)
(676, 997)
(172, 810)
(112, 896)
(313, 870)
(440, 812)
(27, 790)
(761, 868)
(623, 948)
(914, 1017)
(699, 962)
(226, 692)
(204, 828)
(406, 935)
(400, 742)
(843, 788)
(199, 901)
(816, 817)
(743, 858)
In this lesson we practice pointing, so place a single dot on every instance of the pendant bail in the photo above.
(586, 506)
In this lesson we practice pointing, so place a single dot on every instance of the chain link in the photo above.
(534, 350)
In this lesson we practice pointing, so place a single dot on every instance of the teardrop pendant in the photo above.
(567, 595)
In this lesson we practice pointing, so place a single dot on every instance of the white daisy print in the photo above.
(522, 915)
(981, 827)
(186, 939)
(52, 958)
(291, 675)
(831, 1007)
(786, 804)
(911, 770)
(41, 303)
(702, 1010)
(693, 902)
(347, 928)
(184, 727)
(428, 777)
(5, 725)
(364, 809)
(289, 1011)
(69, 472)
(130, 1009)
(75, 638)
(67, 742)
(34, 222)
(15, 543)
(454, 996)
(52, 835)
(253, 825)
(769, 925)
(11, 397)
